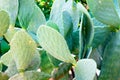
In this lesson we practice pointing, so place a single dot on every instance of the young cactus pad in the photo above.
(85, 69)
(54, 43)
(23, 48)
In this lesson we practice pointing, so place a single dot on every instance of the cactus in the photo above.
(11, 8)
(22, 51)
(60, 51)
(4, 22)
(77, 42)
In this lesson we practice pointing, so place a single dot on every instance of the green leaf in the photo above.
(56, 14)
(12, 8)
(111, 57)
(4, 46)
(23, 48)
(4, 22)
(31, 75)
(6, 58)
(105, 11)
(10, 33)
(85, 69)
(54, 43)
(30, 16)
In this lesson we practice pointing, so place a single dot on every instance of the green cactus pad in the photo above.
(85, 69)
(23, 49)
(54, 43)
(35, 63)
(4, 22)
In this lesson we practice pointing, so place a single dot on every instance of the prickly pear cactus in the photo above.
(54, 43)
(23, 49)
(111, 64)
(4, 22)
(35, 63)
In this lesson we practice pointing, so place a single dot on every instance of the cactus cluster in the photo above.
(72, 44)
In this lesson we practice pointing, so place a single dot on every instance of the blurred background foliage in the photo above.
(45, 6)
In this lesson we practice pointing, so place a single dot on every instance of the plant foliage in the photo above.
(65, 40)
